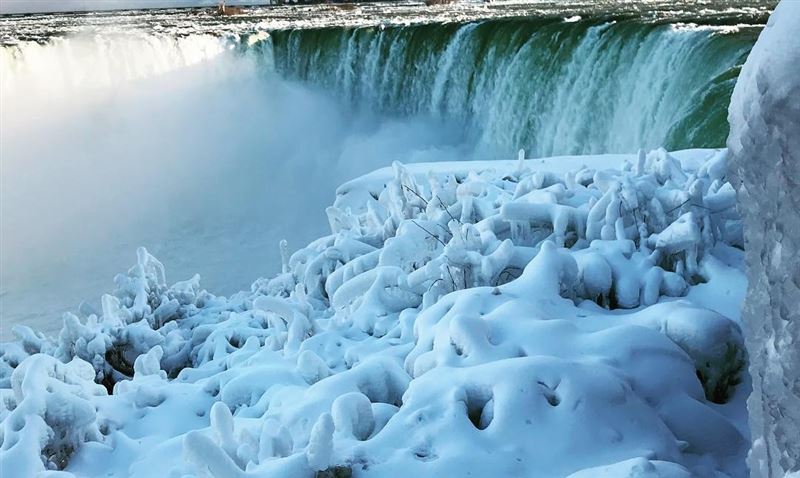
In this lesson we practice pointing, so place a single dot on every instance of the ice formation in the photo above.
(765, 148)
(503, 318)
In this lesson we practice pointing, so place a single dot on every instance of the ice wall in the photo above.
(765, 151)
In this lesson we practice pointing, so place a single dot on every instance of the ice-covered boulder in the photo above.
(765, 154)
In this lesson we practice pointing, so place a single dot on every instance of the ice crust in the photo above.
(503, 318)
(765, 151)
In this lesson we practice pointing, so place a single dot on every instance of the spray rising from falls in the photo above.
(189, 146)
(194, 147)
(552, 87)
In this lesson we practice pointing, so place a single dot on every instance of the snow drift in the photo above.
(504, 318)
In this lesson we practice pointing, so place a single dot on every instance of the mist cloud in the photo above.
(184, 146)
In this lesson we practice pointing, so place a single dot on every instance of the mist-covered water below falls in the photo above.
(209, 149)
(185, 146)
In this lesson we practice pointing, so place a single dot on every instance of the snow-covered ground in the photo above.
(572, 316)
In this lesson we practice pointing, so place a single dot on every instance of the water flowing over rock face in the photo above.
(765, 147)
(529, 82)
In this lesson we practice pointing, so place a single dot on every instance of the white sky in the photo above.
(38, 6)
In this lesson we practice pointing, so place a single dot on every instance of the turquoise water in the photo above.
(546, 85)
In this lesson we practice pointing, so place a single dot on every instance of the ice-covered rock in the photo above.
(765, 153)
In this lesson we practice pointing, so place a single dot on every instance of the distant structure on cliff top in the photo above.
(224, 10)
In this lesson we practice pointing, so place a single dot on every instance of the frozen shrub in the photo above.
(453, 309)
(50, 414)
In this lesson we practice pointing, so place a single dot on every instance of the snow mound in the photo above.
(505, 318)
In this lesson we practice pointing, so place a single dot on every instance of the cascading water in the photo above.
(550, 86)
(191, 140)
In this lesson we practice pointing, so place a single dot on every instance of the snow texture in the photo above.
(501, 318)
(765, 150)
